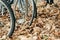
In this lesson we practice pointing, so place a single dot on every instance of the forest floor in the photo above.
(45, 27)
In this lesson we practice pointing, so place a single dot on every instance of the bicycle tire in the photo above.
(12, 26)
(34, 15)
(34, 10)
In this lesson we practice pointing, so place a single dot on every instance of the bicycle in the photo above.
(9, 17)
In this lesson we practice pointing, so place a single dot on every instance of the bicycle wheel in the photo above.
(7, 20)
(28, 11)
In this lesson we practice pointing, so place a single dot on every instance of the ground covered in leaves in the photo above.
(45, 27)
